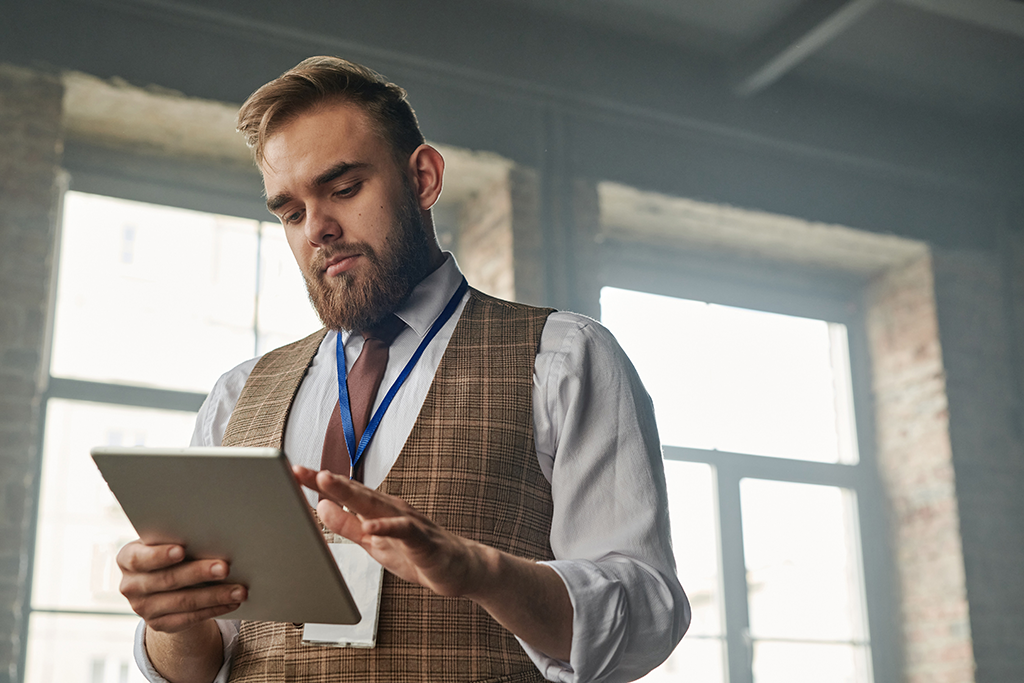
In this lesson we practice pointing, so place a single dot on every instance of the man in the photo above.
(520, 507)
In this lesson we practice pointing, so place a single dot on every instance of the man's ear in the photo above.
(426, 169)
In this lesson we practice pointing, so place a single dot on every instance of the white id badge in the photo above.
(364, 576)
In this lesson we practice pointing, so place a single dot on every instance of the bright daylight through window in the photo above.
(161, 300)
(729, 383)
(147, 296)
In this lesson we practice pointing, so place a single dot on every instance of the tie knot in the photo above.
(385, 331)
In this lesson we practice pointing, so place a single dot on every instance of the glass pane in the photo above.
(80, 525)
(733, 379)
(152, 295)
(285, 313)
(692, 506)
(803, 563)
(81, 649)
(695, 659)
(810, 663)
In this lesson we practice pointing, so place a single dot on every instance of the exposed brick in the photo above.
(485, 240)
(974, 300)
(527, 240)
(30, 125)
(915, 460)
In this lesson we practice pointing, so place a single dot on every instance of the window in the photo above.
(756, 416)
(153, 303)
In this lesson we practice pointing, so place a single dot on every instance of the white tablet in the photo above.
(242, 505)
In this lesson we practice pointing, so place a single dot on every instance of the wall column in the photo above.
(915, 459)
(30, 143)
(974, 299)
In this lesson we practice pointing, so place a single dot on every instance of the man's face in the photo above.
(350, 214)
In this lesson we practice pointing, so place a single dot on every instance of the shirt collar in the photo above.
(427, 299)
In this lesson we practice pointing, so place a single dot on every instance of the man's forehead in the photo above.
(338, 125)
(321, 139)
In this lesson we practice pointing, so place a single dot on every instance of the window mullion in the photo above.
(734, 578)
(124, 394)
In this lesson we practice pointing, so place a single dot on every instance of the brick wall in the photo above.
(30, 134)
(527, 238)
(586, 216)
(916, 464)
(500, 243)
(974, 301)
(485, 240)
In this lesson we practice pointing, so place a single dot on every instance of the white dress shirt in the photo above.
(597, 445)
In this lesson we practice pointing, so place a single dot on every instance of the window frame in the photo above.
(798, 290)
(198, 185)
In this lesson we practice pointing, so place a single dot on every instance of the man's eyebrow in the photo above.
(333, 173)
(336, 171)
(277, 201)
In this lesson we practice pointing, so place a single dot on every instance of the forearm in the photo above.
(527, 598)
(191, 656)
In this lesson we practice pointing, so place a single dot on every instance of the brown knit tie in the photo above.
(363, 383)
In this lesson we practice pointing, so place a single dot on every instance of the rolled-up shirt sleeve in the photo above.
(598, 443)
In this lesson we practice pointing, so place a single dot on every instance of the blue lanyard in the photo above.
(343, 402)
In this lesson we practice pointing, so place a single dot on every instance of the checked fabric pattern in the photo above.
(470, 464)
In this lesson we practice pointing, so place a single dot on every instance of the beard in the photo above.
(359, 302)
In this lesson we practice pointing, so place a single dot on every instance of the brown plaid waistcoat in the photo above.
(469, 463)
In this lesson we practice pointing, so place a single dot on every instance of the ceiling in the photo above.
(965, 56)
(897, 116)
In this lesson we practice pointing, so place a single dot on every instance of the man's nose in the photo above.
(321, 226)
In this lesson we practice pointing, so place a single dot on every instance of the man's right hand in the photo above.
(172, 595)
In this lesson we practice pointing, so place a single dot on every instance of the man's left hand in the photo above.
(527, 598)
(405, 541)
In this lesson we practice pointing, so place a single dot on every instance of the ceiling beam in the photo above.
(1006, 16)
(811, 26)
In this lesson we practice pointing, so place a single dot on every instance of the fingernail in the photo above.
(237, 595)
(176, 553)
(219, 571)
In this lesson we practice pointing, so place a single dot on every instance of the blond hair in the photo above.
(320, 80)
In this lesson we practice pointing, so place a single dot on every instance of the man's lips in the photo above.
(336, 265)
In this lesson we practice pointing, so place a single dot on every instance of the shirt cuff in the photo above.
(228, 635)
(550, 668)
(627, 617)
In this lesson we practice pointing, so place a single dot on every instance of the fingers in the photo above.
(172, 594)
(305, 476)
(360, 499)
(403, 528)
(339, 520)
(179, 576)
(177, 610)
(173, 623)
(343, 522)
(139, 557)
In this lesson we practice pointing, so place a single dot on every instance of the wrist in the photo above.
(485, 571)
(192, 654)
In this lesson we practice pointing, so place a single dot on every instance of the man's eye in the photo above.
(347, 191)
(291, 217)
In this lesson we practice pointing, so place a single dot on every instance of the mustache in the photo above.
(326, 253)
